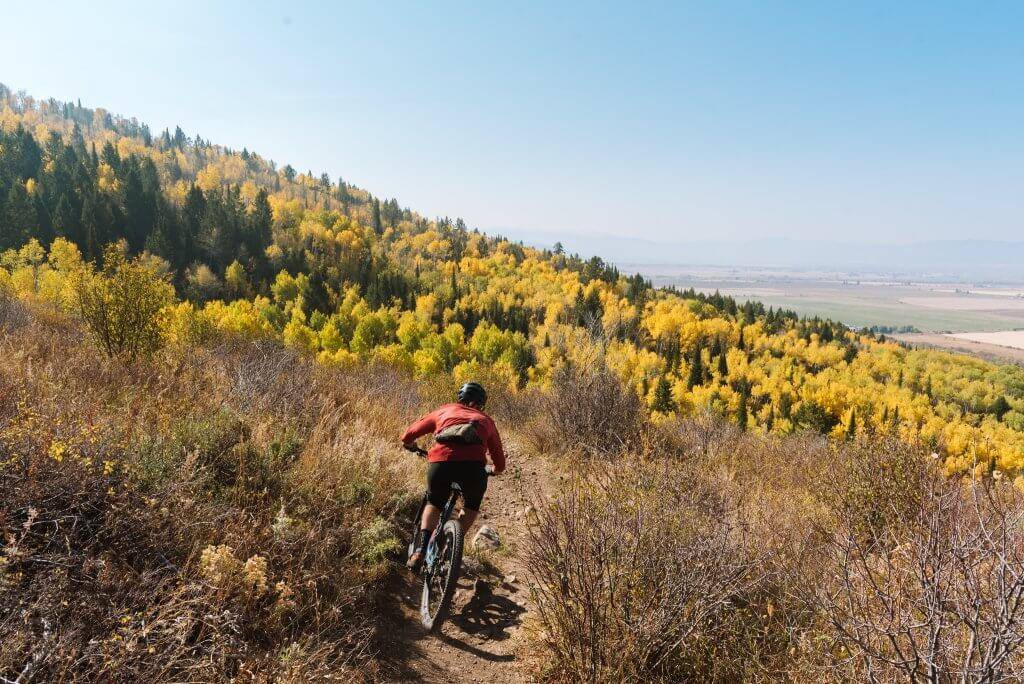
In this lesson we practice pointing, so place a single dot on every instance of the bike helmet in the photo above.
(473, 393)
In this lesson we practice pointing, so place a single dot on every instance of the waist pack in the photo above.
(463, 433)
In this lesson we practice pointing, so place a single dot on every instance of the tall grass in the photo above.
(203, 515)
(702, 553)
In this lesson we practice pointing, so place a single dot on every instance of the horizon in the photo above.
(771, 123)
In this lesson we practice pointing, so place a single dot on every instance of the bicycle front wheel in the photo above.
(439, 582)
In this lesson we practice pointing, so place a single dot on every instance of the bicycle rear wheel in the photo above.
(439, 583)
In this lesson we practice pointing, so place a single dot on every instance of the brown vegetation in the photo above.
(713, 555)
(205, 515)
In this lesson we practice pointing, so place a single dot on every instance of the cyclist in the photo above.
(464, 435)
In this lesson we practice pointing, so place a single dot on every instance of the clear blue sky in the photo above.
(889, 121)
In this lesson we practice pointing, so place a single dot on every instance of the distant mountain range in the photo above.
(987, 260)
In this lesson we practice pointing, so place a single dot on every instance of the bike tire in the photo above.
(414, 539)
(453, 540)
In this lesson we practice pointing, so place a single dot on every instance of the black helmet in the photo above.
(473, 393)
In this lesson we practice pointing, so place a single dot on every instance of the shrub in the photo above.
(942, 601)
(588, 411)
(122, 306)
(640, 575)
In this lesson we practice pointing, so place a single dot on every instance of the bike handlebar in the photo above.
(416, 449)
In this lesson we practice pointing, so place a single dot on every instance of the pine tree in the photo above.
(1000, 407)
(851, 424)
(696, 374)
(67, 221)
(378, 227)
(723, 366)
(17, 218)
(663, 401)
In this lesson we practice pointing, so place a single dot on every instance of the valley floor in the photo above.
(995, 353)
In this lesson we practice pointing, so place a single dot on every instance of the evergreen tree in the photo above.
(663, 401)
(741, 410)
(999, 407)
(67, 221)
(696, 374)
(17, 218)
(139, 206)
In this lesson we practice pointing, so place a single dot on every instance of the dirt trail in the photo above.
(482, 640)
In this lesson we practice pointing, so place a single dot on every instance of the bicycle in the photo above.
(443, 562)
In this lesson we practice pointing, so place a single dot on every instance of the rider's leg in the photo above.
(467, 518)
(431, 514)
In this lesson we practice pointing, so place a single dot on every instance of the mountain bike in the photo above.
(443, 561)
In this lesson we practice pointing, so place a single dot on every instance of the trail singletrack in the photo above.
(483, 638)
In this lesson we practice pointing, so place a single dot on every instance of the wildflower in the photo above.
(254, 573)
(282, 523)
(218, 563)
(108, 467)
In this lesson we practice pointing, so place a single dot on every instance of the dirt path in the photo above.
(482, 639)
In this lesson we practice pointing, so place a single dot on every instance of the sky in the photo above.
(853, 121)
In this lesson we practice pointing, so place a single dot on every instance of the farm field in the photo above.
(861, 299)
(989, 351)
(1007, 338)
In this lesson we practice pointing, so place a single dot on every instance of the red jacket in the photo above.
(454, 414)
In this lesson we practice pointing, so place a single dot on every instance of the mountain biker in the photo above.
(464, 435)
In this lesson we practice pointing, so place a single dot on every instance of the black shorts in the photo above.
(471, 476)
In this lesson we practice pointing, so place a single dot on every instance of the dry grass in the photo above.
(208, 515)
(708, 554)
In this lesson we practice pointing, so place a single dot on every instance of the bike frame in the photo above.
(446, 514)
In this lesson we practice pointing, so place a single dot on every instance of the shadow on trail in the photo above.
(488, 615)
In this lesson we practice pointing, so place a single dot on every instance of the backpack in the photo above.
(462, 433)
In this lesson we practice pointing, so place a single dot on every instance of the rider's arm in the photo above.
(423, 426)
(496, 450)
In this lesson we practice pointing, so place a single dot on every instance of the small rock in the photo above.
(526, 512)
(487, 538)
(511, 579)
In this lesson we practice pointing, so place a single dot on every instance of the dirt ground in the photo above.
(483, 638)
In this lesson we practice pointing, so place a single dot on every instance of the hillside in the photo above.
(206, 361)
(339, 274)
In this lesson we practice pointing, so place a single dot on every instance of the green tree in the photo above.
(663, 401)
(696, 375)
(17, 218)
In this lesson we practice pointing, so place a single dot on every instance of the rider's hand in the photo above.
(490, 470)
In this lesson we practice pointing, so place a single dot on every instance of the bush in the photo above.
(122, 306)
(941, 602)
(590, 412)
(641, 576)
